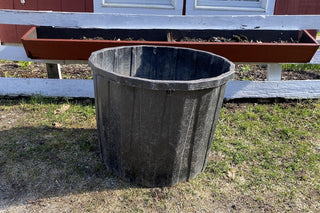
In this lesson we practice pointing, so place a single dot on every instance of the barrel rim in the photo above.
(196, 84)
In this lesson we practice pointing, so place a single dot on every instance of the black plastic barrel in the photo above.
(157, 109)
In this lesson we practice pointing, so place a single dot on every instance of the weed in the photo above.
(24, 64)
(8, 75)
(245, 68)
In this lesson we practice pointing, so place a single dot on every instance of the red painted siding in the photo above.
(7, 32)
(89, 6)
(297, 7)
(29, 5)
(13, 33)
(71, 6)
(6, 4)
(53, 5)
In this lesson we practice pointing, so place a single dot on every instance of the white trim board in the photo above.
(127, 21)
(14, 53)
(160, 7)
(307, 89)
(46, 87)
(218, 7)
(299, 89)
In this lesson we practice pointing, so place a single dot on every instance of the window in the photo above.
(229, 7)
(256, 5)
(167, 4)
(192, 7)
(167, 7)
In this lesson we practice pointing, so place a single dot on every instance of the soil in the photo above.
(83, 71)
(115, 39)
(38, 70)
(259, 73)
(234, 38)
(170, 38)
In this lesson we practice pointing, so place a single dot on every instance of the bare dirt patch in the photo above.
(16, 69)
(255, 72)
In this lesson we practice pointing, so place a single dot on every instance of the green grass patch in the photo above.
(264, 157)
(301, 67)
(274, 148)
(25, 64)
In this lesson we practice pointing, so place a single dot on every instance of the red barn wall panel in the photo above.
(8, 33)
(13, 33)
(77, 5)
(89, 6)
(74, 6)
(29, 5)
(297, 7)
(6, 4)
(54, 5)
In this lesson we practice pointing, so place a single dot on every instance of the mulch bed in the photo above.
(83, 71)
(259, 73)
(38, 70)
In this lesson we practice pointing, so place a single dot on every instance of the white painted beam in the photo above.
(46, 87)
(16, 53)
(299, 89)
(306, 89)
(129, 21)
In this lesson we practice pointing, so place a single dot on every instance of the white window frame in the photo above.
(231, 5)
(242, 7)
(158, 4)
(162, 7)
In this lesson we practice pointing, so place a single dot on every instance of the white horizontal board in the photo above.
(84, 88)
(15, 53)
(46, 87)
(160, 7)
(218, 7)
(300, 89)
(127, 21)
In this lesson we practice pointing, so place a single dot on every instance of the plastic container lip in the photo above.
(196, 84)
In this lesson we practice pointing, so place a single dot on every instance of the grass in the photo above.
(265, 157)
(301, 67)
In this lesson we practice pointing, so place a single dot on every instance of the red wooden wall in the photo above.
(13, 33)
(297, 7)
(7, 32)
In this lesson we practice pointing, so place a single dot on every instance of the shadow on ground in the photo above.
(42, 162)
